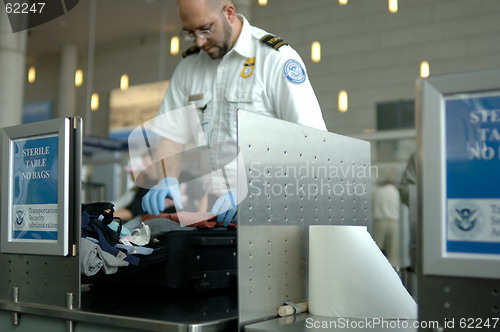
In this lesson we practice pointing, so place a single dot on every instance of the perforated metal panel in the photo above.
(297, 176)
(40, 279)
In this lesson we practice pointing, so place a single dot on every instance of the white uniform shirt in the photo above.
(252, 76)
(385, 202)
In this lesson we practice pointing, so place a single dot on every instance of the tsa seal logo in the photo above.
(294, 72)
(19, 215)
(466, 220)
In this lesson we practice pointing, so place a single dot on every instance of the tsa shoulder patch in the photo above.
(192, 50)
(273, 41)
(294, 72)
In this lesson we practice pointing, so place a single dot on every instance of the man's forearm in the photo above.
(169, 157)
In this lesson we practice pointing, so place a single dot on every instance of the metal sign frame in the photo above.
(56, 241)
(432, 96)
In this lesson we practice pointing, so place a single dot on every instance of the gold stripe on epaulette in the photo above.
(273, 41)
(277, 46)
(193, 49)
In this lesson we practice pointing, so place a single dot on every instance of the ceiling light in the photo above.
(262, 2)
(393, 6)
(79, 77)
(124, 82)
(343, 101)
(31, 74)
(94, 102)
(174, 45)
(343, 2)
(316, 52)
(424, 69)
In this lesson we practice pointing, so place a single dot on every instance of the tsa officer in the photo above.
(232, 65)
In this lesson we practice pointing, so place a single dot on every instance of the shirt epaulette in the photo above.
(273, 41)
(192, 50)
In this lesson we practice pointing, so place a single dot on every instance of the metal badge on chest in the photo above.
(248, 68)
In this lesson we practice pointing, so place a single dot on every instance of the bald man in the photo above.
(231, 66)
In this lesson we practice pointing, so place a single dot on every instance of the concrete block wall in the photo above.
(139, 59)
(375, 55)
(46, 84)
(371, 53)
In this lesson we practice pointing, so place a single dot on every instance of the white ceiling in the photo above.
(116, 21)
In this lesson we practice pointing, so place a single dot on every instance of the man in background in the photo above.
(385, 230)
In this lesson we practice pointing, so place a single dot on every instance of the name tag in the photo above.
(198, 96)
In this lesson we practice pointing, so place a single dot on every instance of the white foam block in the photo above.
(350, 277)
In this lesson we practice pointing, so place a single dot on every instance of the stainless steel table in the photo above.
(145, 309)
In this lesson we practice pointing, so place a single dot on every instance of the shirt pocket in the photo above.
(248, 99)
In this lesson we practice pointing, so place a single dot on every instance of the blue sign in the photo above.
(35, 112)
(472, 166)
(35, 188)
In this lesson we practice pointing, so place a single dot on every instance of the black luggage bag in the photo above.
(201, 259)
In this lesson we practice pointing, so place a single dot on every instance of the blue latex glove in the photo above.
(226, 207)
(154, 201)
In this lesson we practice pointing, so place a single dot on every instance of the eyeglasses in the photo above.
(202, 33)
